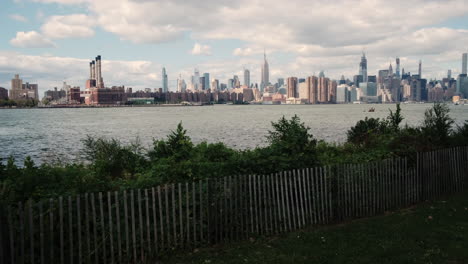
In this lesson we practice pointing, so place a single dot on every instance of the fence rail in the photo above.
(137, 226)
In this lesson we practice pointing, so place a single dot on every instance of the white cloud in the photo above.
(243, 51)
(311, 35)
(69, 26)
(325, 24)
(31, 39)
(19, 18)
(49, 71)
(64, 2)
(200, 49)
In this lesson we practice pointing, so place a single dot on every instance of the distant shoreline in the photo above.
(101, 106)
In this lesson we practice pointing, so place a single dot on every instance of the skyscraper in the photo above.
(215, 85)
(164, 80)
(363, 67)
(312, 86)
(322, 89)
(196, 80)
(265, 73)
(292, 87)
(181, 86)
(280, 82)
(247, 77)
(420, 69)
(202, 83)
(331, 96)
(464, 63)
(397, 73)
(207, 81)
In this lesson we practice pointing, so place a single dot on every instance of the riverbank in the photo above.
(434, 232)
(104, 106)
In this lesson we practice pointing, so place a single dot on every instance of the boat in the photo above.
(372, 109)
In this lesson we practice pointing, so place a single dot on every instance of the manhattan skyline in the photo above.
(47, 41)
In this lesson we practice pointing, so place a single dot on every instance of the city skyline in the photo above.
(46, 41)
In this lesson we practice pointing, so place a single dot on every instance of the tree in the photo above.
(291, 136)
(395, 119)
(437, 125)
(178, 146)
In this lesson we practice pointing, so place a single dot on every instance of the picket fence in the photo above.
(138, 226)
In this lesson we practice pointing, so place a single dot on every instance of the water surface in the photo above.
(56, 134)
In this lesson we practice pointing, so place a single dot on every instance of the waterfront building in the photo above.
(247, 77)
(55, 95)
(292, 87)
(322, 89)
(165, 87)
(20, 90)
(3, 94)
(265, 73)
(74, 95)
(342, 94)
(304, 92)
(312, 87)
(331, 97)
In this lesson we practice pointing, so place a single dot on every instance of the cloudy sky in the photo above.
(51, 41)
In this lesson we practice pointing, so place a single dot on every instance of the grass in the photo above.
(433, 232)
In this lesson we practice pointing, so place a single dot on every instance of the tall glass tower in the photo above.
(265, 73)
(164, 80)
(464, 62)
(363, 67)
(207, 81)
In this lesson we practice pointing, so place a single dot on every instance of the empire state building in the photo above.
(265, 73)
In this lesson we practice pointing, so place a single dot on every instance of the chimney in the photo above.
(93, 70)
(90, 70)
(99, 82)
(98, 71)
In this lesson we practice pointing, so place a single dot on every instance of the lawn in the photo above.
(432, 232)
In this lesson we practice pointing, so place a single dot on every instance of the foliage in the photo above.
(111, 160)
(437, 125)
(18, 103)
(112, 165)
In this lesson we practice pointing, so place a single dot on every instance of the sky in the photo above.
(52, 41)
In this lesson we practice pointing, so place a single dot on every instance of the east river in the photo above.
(56, 134)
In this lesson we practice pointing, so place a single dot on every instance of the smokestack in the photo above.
(93, 70)
(98, 71)
(99, 82)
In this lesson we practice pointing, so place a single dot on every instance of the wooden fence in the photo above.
(137, 226)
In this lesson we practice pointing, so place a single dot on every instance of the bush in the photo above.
(437, 125)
